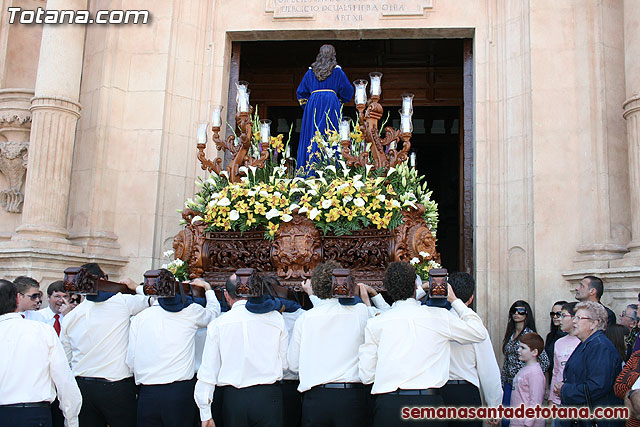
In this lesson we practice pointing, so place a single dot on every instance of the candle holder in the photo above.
(376, 88)
(384, 152)
(238, 145)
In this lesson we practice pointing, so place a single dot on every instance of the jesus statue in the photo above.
(323, 90)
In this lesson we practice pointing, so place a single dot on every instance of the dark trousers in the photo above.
(108, 403)
(25, 417)
(388, 409)
(258, 405)
(167, 405)
(335, 407)
(465, 394)
(57, 417)
(506, 401)
(292, 401)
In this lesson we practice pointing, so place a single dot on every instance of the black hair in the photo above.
(570, 307)
(94, 268)
(555, 331)
(616, 334)
(596, 283)
(23, 283)
(322, 279)
(463, 285)
(57, 286)
(529, 322)
(8, 294)
(325, 62)
(400, 280)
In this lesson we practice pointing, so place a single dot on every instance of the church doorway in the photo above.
(437, 71)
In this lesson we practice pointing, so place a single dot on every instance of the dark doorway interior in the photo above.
(431, 69)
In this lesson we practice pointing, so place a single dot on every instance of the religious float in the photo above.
(362, 204)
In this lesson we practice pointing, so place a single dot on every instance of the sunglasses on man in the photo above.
(34, 297)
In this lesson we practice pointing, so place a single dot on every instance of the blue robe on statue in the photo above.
(320, 100)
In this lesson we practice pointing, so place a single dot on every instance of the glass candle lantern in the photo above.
(361, 92)
(265, 130)
(242, 97)
(216, 116)
(345, 130)
(412, 160)
(376, 88)
(407, 103)
(202, 133)
(405, 123)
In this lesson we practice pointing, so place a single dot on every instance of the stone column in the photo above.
(55, 112)
(631, 113)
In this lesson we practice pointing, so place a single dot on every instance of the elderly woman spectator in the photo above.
(625, 381)
(593, 366)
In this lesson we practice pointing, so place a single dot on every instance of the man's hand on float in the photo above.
(364, 294)
(201, 283)
(306, 286)
(451, 296)
(129, 283)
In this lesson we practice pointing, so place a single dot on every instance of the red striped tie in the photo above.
(56, 324)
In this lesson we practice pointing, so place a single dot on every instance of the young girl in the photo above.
(563, 349)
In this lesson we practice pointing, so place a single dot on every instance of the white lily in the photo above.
(331, 168)
(225, 174)
(286, 217)
(358, 184)
(224, 202)
(313, 213)
(169, 253)
(243, 169)
(293, 206)
(272, 213)
(414, 261)
(381, 197)
(346, 200)
(195, 219)
(359, 202)
(395, 203)
(424, 254)
(390, 171)
(234, 215)
(326, 203)
(303, 210)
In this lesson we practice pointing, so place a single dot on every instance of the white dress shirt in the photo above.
(324, 347)
(477, 364)
(48, 315)
(95, 335)
(289, 323)
(33, 315)
(407, 347)
(242, 349)
(162, 343)
(33, 367)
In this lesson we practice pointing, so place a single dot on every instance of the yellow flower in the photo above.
(259, 208)
(272, 228)
(276, 143)
(250, 219)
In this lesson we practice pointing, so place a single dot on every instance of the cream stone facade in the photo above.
(103, 118)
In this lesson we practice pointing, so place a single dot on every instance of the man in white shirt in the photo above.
(57, 298)
(407, 348)
(161, 355)
(473, 366)
(324, 350)
(33, 369)
(95, 336)
(247, 352)
(29, 298)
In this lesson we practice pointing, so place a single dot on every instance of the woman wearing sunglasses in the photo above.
(521, 322)
(555, 332)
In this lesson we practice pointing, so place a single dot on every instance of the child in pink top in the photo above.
(529, 384)
(563, 349)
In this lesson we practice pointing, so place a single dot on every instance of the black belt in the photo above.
(458, 382)
(28, 405)
(341, 385)
(424, 392)
(101, 380)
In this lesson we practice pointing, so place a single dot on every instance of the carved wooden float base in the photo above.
(299, 247)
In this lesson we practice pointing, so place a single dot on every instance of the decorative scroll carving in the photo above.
(13, 164)
(413, 236)
(297, 249)
(16, 121)
(366, 250)
(228, 251)
(188, 244)
(79, 280)
(342, 284)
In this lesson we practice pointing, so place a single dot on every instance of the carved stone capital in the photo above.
(15, 114)
(13, 164)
